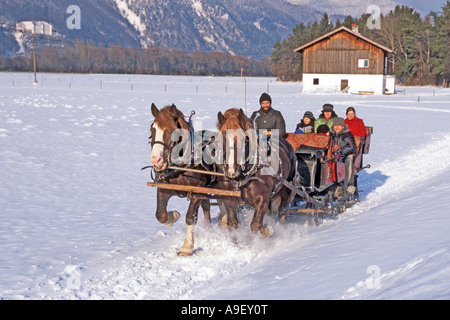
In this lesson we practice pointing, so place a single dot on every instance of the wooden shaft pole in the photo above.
(194, 189)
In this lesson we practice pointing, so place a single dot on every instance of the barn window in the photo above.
(316, 81)
(363, 63)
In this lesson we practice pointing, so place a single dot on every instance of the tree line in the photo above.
(86, 57)
(422, 45)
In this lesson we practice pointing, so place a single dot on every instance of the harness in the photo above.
(170, 172)
(246, 174)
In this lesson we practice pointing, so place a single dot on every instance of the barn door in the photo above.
(344, 84)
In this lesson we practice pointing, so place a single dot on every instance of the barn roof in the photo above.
(343, 28)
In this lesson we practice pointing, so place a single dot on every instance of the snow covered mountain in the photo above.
(101, 23)
(346, 7)
(248, 28)
(244, 27)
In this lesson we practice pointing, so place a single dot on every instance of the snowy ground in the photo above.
(77, 219)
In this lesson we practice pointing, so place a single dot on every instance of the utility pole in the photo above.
(34, 56)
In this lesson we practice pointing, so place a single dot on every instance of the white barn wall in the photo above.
(390, 84)
(356, 82)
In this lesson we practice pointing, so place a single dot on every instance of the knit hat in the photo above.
(323, 128)
(265, 97)
(310, 115)
(327, 107)
(338, 122)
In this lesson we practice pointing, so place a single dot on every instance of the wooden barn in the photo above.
(344, 60)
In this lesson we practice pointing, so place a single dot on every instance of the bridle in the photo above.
(165, 146)
(244, 170)
(170, 147)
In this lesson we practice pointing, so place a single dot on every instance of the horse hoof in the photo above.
(173, 217)
(266, 231)
(185, 253)
(223, 221)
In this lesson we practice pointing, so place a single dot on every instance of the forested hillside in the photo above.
(88, 58)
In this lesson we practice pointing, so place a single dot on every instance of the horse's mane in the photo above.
(170, 118)
(234, 121)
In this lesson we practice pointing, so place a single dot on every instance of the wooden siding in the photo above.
(339, 54)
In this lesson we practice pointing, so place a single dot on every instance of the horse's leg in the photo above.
(257, 226)
(261, 206)
(191, 220)
(162, 198)
(224, 203)
(287, 196)
(206, 207)
(228, 213)
(232, 216)
(223, 216)
(188, 245)
(275, 205)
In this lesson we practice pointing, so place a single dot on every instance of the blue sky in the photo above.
(424, 6)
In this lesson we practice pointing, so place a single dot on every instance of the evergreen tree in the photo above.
(440, 45)
(287, 64)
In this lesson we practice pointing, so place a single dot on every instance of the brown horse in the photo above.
(168, 121)
(259, 188)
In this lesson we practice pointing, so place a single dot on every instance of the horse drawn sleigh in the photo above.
(236, 166)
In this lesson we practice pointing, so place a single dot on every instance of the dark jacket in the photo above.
(345, 140)
(306, 128)
(271, 120)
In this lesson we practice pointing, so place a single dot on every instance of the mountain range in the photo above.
(242, 27)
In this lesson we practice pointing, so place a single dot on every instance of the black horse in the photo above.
(164, 142)
(257, 179)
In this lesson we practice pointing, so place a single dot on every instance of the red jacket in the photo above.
(356, 127)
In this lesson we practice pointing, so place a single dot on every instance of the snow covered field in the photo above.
(77, 219)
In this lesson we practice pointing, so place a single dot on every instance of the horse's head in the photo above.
(167, 120)
(237, 131)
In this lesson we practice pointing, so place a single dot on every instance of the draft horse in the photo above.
(167, 120)
(258, 181)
